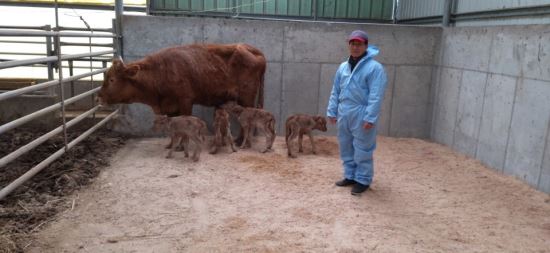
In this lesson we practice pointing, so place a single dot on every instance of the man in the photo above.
(354, 105)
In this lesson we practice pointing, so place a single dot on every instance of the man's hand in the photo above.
(368, 125)
(332, 120)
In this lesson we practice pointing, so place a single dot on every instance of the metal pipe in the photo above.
(22, 27)
(4, 32)
(15, 93)
(75, 56)
(87, 44)
(57, 41)
(70, 5)
(71, 74)
(21, 42)
(18, 63)
(49, 52)
(66, 28)
(19, 53)
(118, 26)
(62, 43)
(99, 59)
(20, 121)
(422, 20)
(24, 149)
(29, 174)
(315, 6)
(447, 12)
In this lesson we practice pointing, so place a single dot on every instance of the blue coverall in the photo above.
(355, 99)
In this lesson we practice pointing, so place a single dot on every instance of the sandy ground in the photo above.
(425, 198)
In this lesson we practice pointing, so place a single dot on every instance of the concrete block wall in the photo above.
(302, 60)
(491, 98)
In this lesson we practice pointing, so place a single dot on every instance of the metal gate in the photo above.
(55, 58)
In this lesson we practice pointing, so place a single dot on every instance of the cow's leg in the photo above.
(181, 147)
(198, 148)
(229, 138)
(245, 129)
(214, 148)
(313, 149)
(291, 137)
(186, 146)
(216, 143)
(300, 139)
(242, 136)
(271, 128)
(169, 146)
(265, 130)
(174, 138)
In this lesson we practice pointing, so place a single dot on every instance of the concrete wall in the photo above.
(302, 60)
(492, 98)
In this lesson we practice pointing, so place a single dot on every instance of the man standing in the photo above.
(354, 104)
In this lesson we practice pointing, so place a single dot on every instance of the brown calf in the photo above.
(222, 132)
(250, 118)
(182, 128)
(299, 124)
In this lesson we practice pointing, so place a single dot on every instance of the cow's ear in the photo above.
(320, 119)
(132, 70)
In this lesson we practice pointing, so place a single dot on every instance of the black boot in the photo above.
(359, 188)
(345, 182)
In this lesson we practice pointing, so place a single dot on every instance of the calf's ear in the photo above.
(320, 119)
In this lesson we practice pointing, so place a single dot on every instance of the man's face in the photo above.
(357, 48)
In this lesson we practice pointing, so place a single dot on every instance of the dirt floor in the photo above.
(37, 201)
(425, 198)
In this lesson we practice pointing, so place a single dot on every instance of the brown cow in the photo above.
(299, 124)
(181, 129)
(250, 118)
(173, 79)
(222, 131)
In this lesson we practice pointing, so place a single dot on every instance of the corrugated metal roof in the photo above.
(328, 9)
(93, 2)
(421, 9)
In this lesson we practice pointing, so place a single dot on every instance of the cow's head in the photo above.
(119, 84)
(320, 123)
(233, 108)
(161, 123)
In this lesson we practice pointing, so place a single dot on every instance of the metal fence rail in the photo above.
(29, 174)
(18, 63)
(21, 91)
(50, 59)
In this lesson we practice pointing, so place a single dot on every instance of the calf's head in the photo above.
(161, 123)
(233, 108)
(320, 123)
